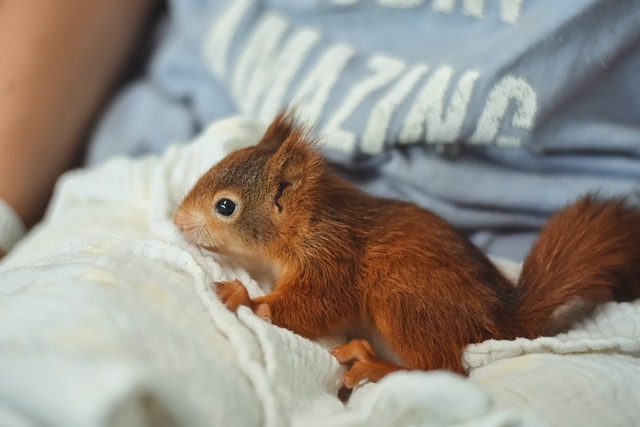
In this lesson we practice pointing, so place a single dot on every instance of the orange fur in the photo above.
(340, 257)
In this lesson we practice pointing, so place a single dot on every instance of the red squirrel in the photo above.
(344, 261)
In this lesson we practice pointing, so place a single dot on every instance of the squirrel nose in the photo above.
(188, 222)
(180, 219)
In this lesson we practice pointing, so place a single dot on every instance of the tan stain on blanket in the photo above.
(99, 248)
(101, 277)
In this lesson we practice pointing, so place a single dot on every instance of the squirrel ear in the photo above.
(296, 159)
(282, 127)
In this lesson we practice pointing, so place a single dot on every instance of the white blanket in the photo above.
(107, 318)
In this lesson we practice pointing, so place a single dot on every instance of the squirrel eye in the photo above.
(225, 207)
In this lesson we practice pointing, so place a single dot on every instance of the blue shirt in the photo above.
(492, 113)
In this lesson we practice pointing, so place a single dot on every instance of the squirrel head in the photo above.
(254, 201)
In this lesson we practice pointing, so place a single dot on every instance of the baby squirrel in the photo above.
(344, 261)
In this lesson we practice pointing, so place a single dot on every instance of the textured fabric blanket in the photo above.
(107, 318)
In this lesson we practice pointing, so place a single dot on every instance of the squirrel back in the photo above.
(343, 260)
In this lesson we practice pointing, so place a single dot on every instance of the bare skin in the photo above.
(59, 61)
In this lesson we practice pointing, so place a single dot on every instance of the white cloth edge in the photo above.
(12, 229)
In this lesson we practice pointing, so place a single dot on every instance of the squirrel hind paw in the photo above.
(356, 350)
(365, 365)
(370, 371)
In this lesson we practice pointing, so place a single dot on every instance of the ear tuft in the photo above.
(296, 154)
(282, 128)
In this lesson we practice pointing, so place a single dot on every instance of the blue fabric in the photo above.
(492, 113)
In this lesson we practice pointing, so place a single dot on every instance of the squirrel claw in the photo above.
(356, 375)
(263, 311)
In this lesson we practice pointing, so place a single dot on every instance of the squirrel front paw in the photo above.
(233, 294)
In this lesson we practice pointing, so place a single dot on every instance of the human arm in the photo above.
(59, 61)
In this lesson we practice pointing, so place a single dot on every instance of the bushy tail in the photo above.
(588, 253)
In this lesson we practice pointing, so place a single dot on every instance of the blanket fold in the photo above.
(108, 318)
